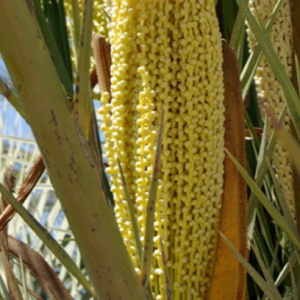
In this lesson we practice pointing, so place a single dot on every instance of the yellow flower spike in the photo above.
(268, 88)
(168, 54)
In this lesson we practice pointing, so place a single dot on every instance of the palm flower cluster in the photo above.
(268, 88)
(168, 55)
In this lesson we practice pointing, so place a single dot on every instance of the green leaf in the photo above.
(266, 272)
(149, 227)
(237, 41)
(82, 110)
(269, 289)
(49, 37)
(77, 24)
(277, 217)
(260, 176)
(134, 223)
(167, 282)
(285, 271)
(228, 9)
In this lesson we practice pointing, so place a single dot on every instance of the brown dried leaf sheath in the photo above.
(229, 277)
(101, 51)
(39, 268)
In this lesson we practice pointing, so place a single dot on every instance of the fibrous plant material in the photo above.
(168, 54)
(229, 276)
(269, 91)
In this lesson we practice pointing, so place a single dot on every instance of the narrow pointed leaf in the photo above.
(285, 271)
(260, 175)
(269, 289)
(168, 285)
(82, 110)
(149, 227)
(61, 69)
(277, 217)
(265, 271)
(132, 214)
